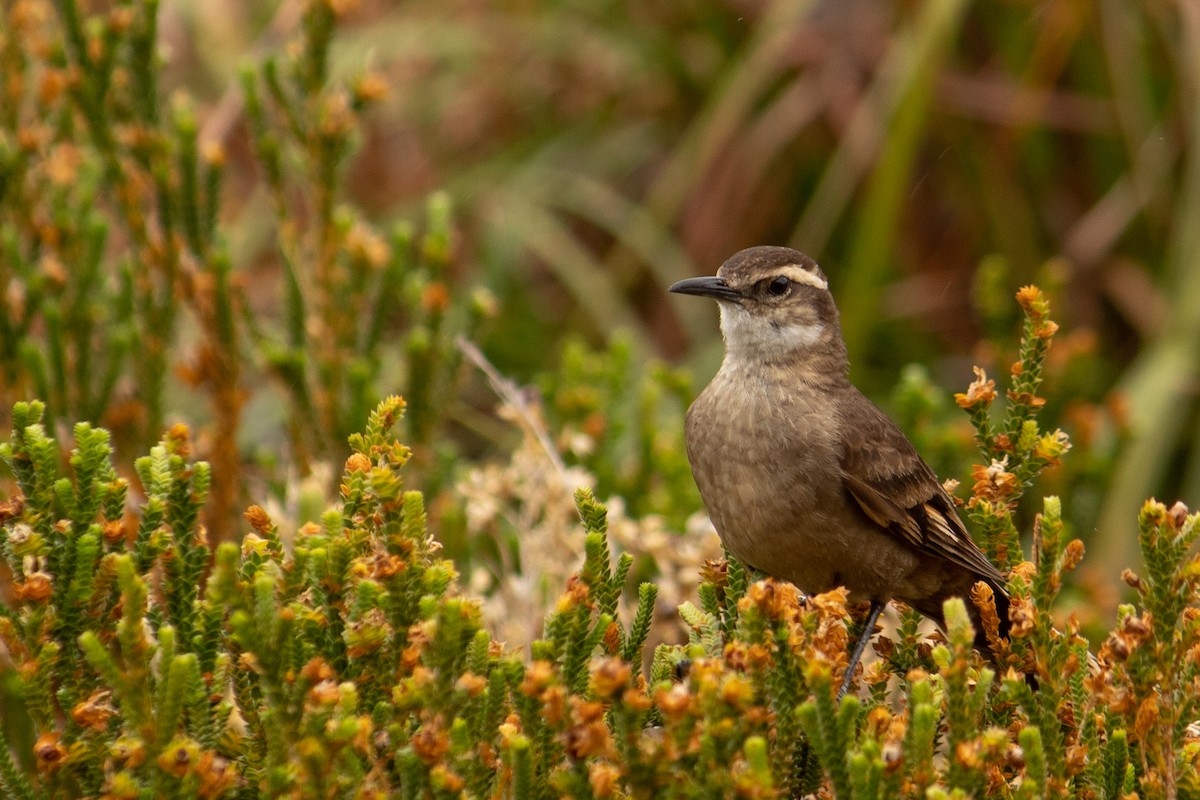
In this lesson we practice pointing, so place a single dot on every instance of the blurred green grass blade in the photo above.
(731, 102)
(548, 238)
(916, 65)
(893, 112)
(908, 54)
(629, 223)
(1161, 384)
(1121, 32)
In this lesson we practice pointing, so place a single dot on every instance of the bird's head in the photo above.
(775, 305)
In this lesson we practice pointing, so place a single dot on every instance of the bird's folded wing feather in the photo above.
(898, 491)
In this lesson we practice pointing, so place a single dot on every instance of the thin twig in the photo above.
(513, 396)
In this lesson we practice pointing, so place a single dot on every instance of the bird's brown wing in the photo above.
(898, 491)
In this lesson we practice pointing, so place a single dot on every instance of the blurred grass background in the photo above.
(932, 155)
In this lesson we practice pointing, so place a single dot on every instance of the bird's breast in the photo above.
(764, 456)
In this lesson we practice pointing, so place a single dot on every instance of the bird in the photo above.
(803, 477)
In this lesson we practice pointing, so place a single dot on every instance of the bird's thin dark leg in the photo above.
(861, 645)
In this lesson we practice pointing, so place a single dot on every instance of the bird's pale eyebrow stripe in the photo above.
(799, 274)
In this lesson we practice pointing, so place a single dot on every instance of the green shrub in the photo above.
(347, 662)
(136, 660)
(128, 254)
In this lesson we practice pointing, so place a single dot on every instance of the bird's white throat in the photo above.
(749, 333)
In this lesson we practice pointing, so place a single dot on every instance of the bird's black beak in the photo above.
(707, 286)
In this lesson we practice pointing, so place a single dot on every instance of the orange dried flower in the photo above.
(1021, 617)
(737, 691)
(735, 655)
(36, 588)
(1178, 514)
(576, 594)
(367, 246)
(388, 564)
(595, 425)
(435, 298)
(674, 702)
(1031, 300)
(445, 779)
(715, 571)
(93, 712)
(471, 683)
(612, 638)
(879, 719)
(884, 646)
(371, 87)
(49, 752)
(1076, 759)
(758, 656)
(609, 676)
(775, 599)
(508, 731)
(603, 778)
(410, 657)
(51, 86)
(1073, 555)
(53, 269)
(259, 520)
(10, 509)
(636, 699)
(554, 705)
(179, 757)
(981, 391)
(217, 774)
(985, 600)
(213, 153)
(589, 736)
(537, 677)
(129, 751)
(114, 531)
(967, 754)
(1137, 628)
(179, 440)
(357, 462)
(1046, 330)
(1147, 717)
(1025, 569)
(431, 742)
(62, 165)
(994, 482)
(831, 603)
(325, 693)
(1026, 399)
(316, 670)
(309, 529)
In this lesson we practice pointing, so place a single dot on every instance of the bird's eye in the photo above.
(778, 285)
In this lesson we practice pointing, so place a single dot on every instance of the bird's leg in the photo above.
(861, 645)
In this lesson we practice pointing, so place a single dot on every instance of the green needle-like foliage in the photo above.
(346, 660)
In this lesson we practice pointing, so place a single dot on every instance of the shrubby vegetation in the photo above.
(347, 661)
(271, 604)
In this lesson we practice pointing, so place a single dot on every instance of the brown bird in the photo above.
(806, 479)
